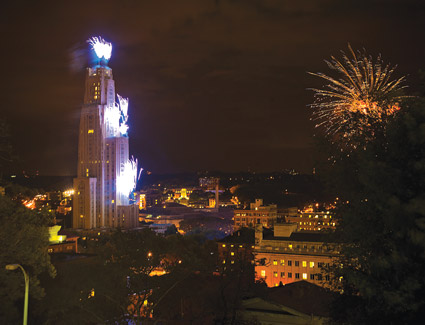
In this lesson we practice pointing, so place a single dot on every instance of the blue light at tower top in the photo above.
(102, 48)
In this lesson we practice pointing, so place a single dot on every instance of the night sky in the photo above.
(213, 85)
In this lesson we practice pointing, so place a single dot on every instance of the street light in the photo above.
(12, 267)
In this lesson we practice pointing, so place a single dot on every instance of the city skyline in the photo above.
(217, 85)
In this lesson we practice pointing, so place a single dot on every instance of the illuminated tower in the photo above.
(105, 175)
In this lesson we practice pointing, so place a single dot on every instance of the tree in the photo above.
(24, 240)
(6, 150)
(382, 224)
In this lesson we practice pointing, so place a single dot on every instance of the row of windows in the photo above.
(317, 223)
(252, 221)
(231, 245)
(316, 216)
(312, 247)
(304, 276)
(255, 214)
(249, 219)
(311, 264)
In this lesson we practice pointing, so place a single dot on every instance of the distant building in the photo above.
(313, 221)
(160, 229)
(182, 193)
(237, 247)
(149, 198)
(142, 202)
(54, 196)
(284, 255)
(211, 183)
(61, 243)
(256, 214)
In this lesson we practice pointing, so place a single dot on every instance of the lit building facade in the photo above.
(105, 174)
(256, 214)
(285, 255)
(313, 221)
(236, 248)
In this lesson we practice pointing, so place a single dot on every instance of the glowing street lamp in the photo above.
(12, 267)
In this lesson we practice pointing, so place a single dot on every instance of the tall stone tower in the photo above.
(105, 175)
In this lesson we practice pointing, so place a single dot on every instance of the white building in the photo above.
(105, 175)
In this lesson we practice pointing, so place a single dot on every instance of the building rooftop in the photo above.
(298, 236)
(302, 296)
(243, 235)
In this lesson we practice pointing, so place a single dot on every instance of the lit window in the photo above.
(224, 245)
(275, 274)
(263, 273)
(304, 264)
(90, 131)
(232, 253)
(305, 276)
(311, 264)
(274, 262)
(282, 262)
(233, 262)
(290, 246)
(224, 261)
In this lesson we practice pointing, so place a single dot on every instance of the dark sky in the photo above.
(218, 85)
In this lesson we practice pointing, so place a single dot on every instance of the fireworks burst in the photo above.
(352, 106)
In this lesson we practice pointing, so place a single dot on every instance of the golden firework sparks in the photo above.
(360, 98)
